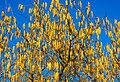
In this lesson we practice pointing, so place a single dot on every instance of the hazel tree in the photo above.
(52, 43)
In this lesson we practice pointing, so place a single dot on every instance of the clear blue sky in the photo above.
(100, 7)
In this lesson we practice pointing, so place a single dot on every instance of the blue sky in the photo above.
(101, 8)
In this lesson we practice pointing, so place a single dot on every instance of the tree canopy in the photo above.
(53, 47)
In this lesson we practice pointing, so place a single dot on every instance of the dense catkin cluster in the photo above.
(57, 48)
